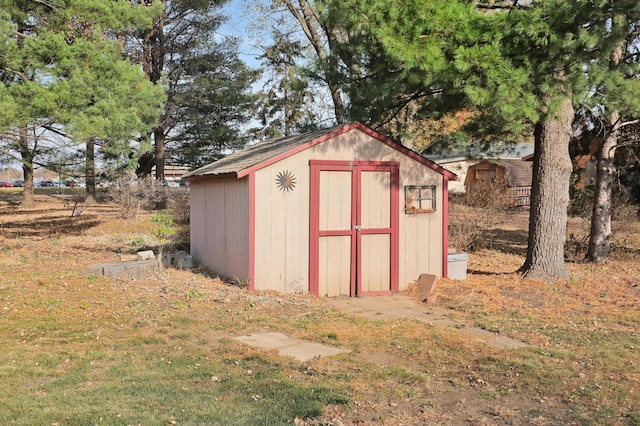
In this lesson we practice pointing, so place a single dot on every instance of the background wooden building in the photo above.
(508, 179)
(460, 157)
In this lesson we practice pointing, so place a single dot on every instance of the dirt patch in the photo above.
(406, 306)
(395, 306)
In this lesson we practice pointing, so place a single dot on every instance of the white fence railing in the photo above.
(521, 195)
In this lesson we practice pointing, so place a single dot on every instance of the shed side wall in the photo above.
(282, 217)
(220, 225)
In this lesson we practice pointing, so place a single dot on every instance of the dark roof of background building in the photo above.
(478, 150)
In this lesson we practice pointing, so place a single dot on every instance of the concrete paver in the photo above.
(396, 306)
(288, 346)
(404, 306)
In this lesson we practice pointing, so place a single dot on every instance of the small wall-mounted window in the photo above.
(419, 199)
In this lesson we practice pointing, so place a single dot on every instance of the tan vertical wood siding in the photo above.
(282, 218)
(335, 200)
(334, 269)
(375, 198)
(375, 262)
(282, 228)
(334, 272)
(220, 225)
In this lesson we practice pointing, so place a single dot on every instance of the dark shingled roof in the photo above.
(262, 154)
(496, 150)
(519, 173)
(255, 154)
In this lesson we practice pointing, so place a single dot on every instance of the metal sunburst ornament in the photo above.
(286, 181)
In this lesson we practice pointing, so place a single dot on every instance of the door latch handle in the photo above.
(357, 227)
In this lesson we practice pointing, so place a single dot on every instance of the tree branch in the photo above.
(398, 107)
(629, 123)
(20, 74)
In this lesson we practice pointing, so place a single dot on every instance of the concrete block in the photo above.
(184, 261)
(136, 270)
(146, 255)
(128, 257)
(168, 259)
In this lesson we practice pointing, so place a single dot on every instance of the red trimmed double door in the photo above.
(354, 221)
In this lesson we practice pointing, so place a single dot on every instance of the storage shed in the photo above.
(460, 157)
(340, 211)
(512, 178)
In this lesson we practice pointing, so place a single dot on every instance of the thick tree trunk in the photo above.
(158, 139)
(145, 165)
(550, 196)
(28, 198)
(155, 58)
(153, 64)
(90, 174)
(600, 238)
(27, 155)
(158, 136)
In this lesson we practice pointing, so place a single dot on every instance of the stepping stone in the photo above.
(288, 346)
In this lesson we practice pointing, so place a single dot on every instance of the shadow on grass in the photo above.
(21, 212)
(488, 273)
(45, 227)
(507, 241)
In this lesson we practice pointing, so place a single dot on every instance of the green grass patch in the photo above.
(150, 380)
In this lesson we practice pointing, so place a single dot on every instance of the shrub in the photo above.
(492, 195)
(164, 226)
(468, 224)
(178, 204)
(132, 195)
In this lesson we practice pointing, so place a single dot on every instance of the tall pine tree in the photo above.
(520, 66)
(615, 104)
(207, 86)
(49, 50)
(286, 104)
(352, 76)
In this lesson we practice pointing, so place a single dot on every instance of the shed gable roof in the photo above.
(262, 154)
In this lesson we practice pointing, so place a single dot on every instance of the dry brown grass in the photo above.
(90, 334)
